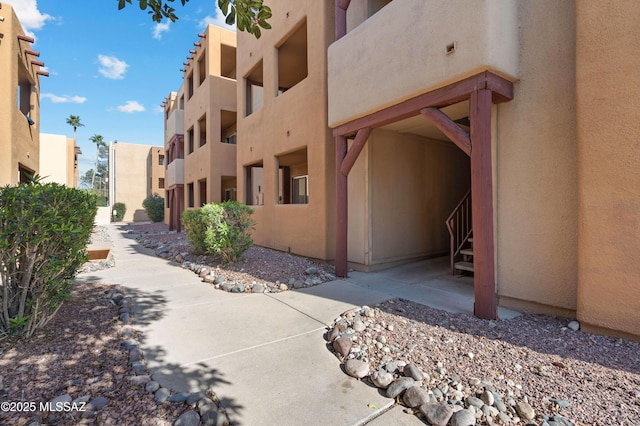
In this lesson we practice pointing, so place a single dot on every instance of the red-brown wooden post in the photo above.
(341, 18)
(342, 209)
(482, 205)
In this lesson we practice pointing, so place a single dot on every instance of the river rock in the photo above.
(437, 414)
(415, 396)
(356, 368)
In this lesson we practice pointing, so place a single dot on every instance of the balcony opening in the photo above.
(190, 195)
(24, 91)
(292, 58)
(375, 5)
(25, 174)
(293, 177)
(254, 82)
(228, 61)
(228, 126)
(228, 188)
(189, 86)
(202, 68)
(202, 130)
(254, 180)
(190, 140)
(181, 102)
(202, 192)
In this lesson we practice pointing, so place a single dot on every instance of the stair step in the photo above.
(464, 266)
(467, 252)
(470, 239)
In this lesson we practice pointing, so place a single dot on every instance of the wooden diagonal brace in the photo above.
(449, 128)
(354, 151)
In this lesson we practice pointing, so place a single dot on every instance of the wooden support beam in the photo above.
(484, 280)
(342, 209)
(354, 152)
(449, 128)
(31, 52)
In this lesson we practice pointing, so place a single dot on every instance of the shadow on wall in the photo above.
(140, 216)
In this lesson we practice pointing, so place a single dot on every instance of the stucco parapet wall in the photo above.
(401, 52)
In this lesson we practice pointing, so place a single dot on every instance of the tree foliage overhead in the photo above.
(250, 15)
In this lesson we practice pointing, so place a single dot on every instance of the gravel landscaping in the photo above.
(445, 369)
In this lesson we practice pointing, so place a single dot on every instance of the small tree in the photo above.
(44, 230)
(154, 206)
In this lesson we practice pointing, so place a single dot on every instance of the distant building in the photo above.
(200, 127)
(135, 172)
(59, 159)
(19, 109)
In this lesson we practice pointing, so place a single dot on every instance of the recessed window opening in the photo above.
(24, 92)
(254, 82)
(292, 59)
(202, 189)
(293, 180)
(189, 86)
(160, 160)
(161, 183)
(190, 195)
(202, 130)
(254, 179)
(202, 68)
(228, 61)
(228, 127)
(190, 140)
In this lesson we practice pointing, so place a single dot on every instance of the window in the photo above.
(190, 195)
(228, 126)
(202, 68)
(24, 91)
(230, 194)
(292, 59)
(161, 160)
(202, 190)
(189, 86)
(254, 179)
(191, 138)
(300, 190)
(202, 130)
(161, 183)
(254, 89)
(25, 174)
(293, 177)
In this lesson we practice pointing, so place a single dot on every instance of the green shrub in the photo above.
(44, 231)
(222, 229)
(154, 206)
(120, 209)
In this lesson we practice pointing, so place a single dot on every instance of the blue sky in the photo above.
(111, 68)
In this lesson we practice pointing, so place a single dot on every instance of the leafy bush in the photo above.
(120, 209)
(154, 206)
(222, 229)
(44, 231)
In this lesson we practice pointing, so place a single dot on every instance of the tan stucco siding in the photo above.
(608, 105)
(535, 186)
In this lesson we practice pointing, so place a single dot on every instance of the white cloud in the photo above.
(158, 109)
(64, 99)
(112, 67)
(218, 20)
(160, 28)
(30, 17)
(131, 107)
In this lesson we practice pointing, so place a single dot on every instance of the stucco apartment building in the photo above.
(206, 106)
(504, 133)
(59, 159)
(135, 172)
(20, 71)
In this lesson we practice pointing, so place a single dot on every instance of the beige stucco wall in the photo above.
(131, 174)
(19, 142)
(213, 160)
(535, 164)
(608, 108)
(403, 63)
(57, 159)
(286, 123)
(156, 172)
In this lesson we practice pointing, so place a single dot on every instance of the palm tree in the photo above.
(99, 141)
(74, 121)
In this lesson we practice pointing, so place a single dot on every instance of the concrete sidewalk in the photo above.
(264, 354)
